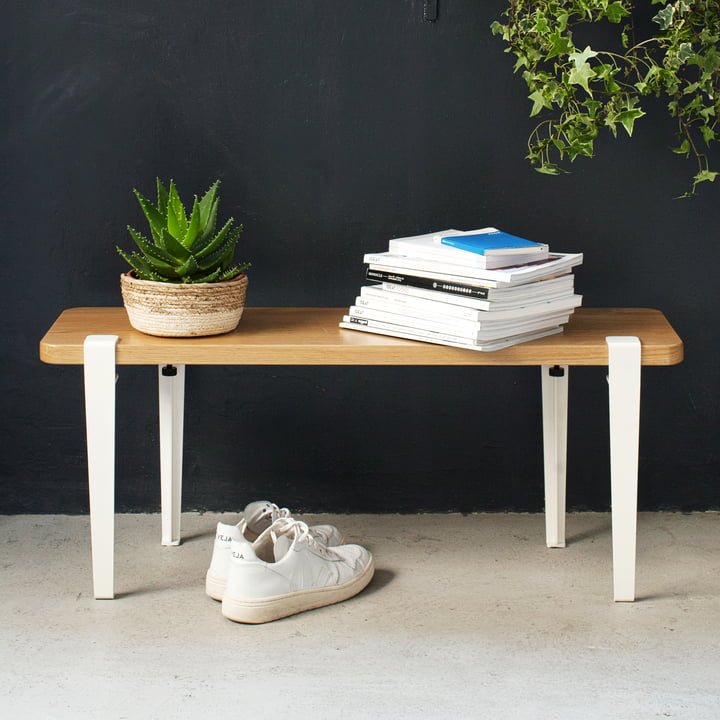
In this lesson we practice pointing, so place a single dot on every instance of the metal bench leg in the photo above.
(624, 394)
(99, 375)
(555, 409)
(171, 395)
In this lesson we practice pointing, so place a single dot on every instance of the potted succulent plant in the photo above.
(183, 281)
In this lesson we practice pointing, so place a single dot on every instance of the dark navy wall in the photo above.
(333, 126)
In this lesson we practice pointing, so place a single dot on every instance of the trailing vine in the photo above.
(584, 90)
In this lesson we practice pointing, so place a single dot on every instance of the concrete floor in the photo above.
(467, 617)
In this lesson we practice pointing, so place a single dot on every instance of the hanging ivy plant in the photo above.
(583, 90)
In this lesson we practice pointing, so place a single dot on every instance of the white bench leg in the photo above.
(624, 395)
(99, 374)
(171, 396)
(555, 413)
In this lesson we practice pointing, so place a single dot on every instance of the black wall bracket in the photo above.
(430, 10)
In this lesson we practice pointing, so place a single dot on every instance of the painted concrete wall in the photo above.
(333, 126)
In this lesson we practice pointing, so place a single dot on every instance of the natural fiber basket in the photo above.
(183, 310)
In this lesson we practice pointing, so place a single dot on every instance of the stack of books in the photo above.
(480, 289)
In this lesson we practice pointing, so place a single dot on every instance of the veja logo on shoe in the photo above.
(238, 555)
(223, 538)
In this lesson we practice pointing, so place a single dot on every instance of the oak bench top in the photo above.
(311, 336)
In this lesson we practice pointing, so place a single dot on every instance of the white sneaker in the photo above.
(257, 517)
(287, 571)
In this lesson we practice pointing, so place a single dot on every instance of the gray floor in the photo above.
(467, 617)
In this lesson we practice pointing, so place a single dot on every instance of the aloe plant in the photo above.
(184, 249)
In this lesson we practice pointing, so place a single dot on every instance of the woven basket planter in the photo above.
(183, 310)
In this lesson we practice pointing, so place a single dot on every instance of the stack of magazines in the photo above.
(479, 289)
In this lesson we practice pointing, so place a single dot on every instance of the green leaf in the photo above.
(149, 250)
(704, 175)
(209, 199)
(214, 276)
(176, 220)
(222, 255)
(551, 169)
(665, 17)
(218, 240)
(683, 148)
(162, 197)
(616, 12)
(193, 226)
(179, 252)
(209, 227)
(581, 58)
(685, 52)
(234, 271)
(539, 102)
(581, 75)
(708, 134)
(559, 45)
(155, 220)
(142, 267)
(188, 268)
(628, 117)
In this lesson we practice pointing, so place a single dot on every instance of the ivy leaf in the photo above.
(581, 75)
(705, 175)
(539, 102)
(708, 134)
(616, 12)
(665, 17)
(628, 117)
(559, 45)
(685, 52)
(582, 57)
(551, 169)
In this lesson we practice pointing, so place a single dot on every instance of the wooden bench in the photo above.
(100, 339)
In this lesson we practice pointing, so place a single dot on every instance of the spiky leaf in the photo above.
(219, 239)
(208, 227)
(155, 219)
(209, 199)
(150, 250)
(142, 267)
(220, 257)
(162, 197)
(188, 268)
(179, 252)
(176, 219)
(193, 226)
(233, 272)
(210, 277)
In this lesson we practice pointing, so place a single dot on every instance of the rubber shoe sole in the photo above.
(280, 606)
(215, 586)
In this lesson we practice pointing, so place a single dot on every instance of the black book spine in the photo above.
(428, 283)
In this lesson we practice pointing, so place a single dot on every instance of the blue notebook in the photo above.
(491, 242)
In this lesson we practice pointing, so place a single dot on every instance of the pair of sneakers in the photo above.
(270, 565)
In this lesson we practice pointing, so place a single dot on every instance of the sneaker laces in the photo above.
(300, 530)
